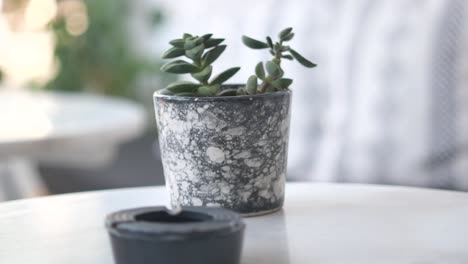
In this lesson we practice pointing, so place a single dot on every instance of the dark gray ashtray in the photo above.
(197, 235)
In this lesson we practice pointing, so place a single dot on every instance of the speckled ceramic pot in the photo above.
(225, 151)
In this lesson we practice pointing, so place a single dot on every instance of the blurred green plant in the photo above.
(102, 57)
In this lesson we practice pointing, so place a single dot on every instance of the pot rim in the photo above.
(157, 94)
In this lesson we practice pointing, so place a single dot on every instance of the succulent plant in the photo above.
(272, 79)
(204, 50)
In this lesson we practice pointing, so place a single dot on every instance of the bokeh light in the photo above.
(27, 44)
(75, 14)
(27, 41)
(39, 13)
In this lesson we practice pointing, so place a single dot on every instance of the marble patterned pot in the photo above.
(225, 151)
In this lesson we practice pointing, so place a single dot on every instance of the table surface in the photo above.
(34, 121)
(320, 223)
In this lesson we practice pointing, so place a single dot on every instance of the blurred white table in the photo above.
(70, 129)
(320, 223)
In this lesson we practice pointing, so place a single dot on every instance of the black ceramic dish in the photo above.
(197, 235)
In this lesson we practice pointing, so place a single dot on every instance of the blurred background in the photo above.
(386, 104)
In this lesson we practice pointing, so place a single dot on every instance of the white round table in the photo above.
(70, 129)
(320, 223)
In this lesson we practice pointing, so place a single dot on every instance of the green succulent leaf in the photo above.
(269, 42)
(186, 36)
(273, 69)
(252, 84)
(183, 87)
(179, 43)
(208, 90)
(190, 43)
(188, 94)
(213, 42)
(207, 37)
(179, 66)
(196, 52)
(213, 54)
(270, 89)
(215, 88)
(282, 83)
(227, 92)
(204, 91)
(301, 59)
(204, 74)
(284, 33)
(241, 91)
(165, 91)
(225, 75)
(199, 40)
(288, 57)
(253, 43)
(260, 71)
(288, 37)
(173, 52)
